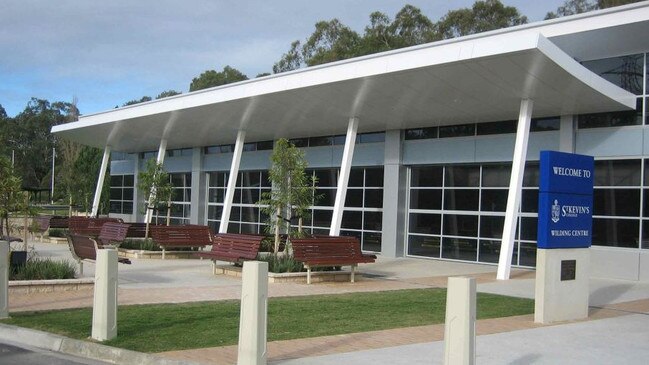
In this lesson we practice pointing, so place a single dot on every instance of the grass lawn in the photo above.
(166, 327)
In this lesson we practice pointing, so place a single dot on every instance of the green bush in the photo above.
(280, 264)
(142, 244)
(58, 232)
(44, 269)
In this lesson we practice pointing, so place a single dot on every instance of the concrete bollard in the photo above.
(254, 310)
(4, 279)
(104, 309)
(459, 330)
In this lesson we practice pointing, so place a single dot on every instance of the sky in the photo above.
(105, 53)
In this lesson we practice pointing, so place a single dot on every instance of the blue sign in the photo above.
(565, 200)
(567, 220)
(568, 173)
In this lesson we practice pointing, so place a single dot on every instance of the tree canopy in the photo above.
(483, 16)
(572, 7)
(211, 78)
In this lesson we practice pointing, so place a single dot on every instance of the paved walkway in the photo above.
(616, 304)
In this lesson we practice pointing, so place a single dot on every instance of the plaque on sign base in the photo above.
(561, 292)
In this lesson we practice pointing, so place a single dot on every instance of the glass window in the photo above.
(326, 178)
(374, 198)
(371, 137)
(508, 126)
(529, 228)
(624, 71)
(531, 174)
(371, 241)
(426, 176)
(354, 198)
(528, 254)
(611, 119)
(616, 232)
(530, 201)
(339, 139)
(493, 200)
(459, 248)
(374, 177)
(248, 147)
(300, 142)
(264, 145)
(616, 202)
(425, 223)
(545, 124)
(326, 197)
(251, 179)
(421, 133)
(460, 225)
(489, 251)
(496, 175)
(461, 199)
(320, 141)
(426, 199)
(491, 226)
(322, 218)
(460, 176)
(352, 220)
(428, 246)
(617, 173)
(373, 221)
(356, 178)
(462, 130)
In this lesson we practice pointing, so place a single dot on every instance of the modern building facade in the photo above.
(430, 151)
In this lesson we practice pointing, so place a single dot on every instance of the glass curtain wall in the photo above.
(457, 212)
(121, 194)
(180, 201)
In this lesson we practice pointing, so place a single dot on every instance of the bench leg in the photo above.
(163, 253)
(353, 272)
(308, 274)
(80, 267)
(213, 267)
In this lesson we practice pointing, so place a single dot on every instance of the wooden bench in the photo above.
(85, 248)
(89, 226)
(59, 222)
(232, 247)
(113, 233)
(7, 237)
(138, 230)
(180, 236)
(329, 251)
(40, 225)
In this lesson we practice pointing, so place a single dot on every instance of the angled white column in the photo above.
(162, 151)
(515, 189)
(343, 178)
(232, 181)
(100, 181)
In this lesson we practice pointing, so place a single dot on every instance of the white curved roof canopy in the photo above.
(478, 78)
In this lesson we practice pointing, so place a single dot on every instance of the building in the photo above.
(420, 144)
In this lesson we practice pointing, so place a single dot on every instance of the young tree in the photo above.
(292, 192)
(11, 198)
(154, 183)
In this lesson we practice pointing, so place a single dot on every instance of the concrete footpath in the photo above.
(617, 330)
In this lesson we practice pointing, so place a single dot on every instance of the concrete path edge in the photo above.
(90, 350)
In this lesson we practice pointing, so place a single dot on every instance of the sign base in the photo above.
(562, 288)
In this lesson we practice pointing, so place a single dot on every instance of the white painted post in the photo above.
(254, 309)
(4, 279)
(232, 181)
(100, 181)
(515, 189)
(162, 150)
(459, 330)
(104, 308)
(343, 178)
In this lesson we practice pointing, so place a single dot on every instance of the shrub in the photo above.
(281, 263)
(44, 269)
(145, 244)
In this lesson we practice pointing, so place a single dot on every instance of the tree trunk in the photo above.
(25, 221)
(70, 207)
(277, 223)
(168, 212)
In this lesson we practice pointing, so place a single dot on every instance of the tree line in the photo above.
(26, 137)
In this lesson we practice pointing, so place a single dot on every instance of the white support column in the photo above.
(100, 181)
(232, 181)
(4, 279)
(343, 178)
(567, 134)
(515, 185)
(162, 151)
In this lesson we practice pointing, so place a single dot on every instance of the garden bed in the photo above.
(50, 286)
(156, 255)
(294, 277)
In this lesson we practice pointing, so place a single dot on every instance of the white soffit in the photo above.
(475, 79)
